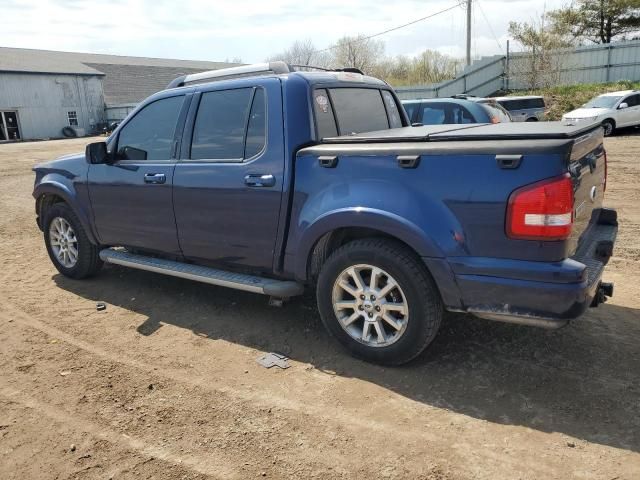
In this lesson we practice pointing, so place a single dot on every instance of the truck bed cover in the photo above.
(477, 131)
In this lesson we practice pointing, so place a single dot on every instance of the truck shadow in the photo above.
(582, 380)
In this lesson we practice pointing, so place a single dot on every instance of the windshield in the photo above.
(606, 101)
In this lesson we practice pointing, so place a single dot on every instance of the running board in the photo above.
(239, 281)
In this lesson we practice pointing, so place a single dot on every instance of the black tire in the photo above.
(531, 119)
(422, 297)
(609, 127)
(88, 261)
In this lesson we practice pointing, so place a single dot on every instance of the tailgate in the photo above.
(587, 167)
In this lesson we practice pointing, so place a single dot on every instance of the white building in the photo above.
(42, 92)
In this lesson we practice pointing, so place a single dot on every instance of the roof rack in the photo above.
(253, 70)
(232, 72)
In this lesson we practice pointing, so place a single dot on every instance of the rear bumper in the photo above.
(536, 293)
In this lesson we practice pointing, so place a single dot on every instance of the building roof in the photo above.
(126, 79)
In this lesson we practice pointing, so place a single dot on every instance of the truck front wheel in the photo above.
(377, 298)
(67, 243)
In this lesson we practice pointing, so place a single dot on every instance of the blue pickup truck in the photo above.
(271, 180)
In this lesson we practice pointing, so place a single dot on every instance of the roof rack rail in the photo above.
(267, 68)
(232, 72)
(345, 69)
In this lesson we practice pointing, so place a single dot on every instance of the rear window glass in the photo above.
(359, 110)
(433, 115)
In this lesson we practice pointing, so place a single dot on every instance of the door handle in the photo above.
(259, 180)
(155, 178)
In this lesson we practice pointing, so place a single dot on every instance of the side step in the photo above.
(239, 281)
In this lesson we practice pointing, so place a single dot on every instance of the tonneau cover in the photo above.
(477, 131)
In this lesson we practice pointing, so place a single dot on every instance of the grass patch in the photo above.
(565, 98)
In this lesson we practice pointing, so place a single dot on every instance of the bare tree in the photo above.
(368, 55)
(357, 52)
(302, 52)
(542, 43)
(433, 67)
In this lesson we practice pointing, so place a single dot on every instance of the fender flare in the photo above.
(61, 190)
(383, 221)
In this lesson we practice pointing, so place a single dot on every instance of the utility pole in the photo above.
(468, 32)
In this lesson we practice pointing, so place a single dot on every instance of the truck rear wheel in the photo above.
(69, 248)
(378, 300)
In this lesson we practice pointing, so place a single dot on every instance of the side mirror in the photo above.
(623, 105)
(96, 153)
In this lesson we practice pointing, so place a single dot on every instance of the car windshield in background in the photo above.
(602, 102)
(436, 113)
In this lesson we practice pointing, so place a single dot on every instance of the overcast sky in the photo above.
(252, 30)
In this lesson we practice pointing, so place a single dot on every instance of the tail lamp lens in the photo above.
(542, 210)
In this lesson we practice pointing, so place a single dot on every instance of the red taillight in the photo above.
(542, 210)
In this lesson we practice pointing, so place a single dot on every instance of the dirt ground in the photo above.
(164, 383)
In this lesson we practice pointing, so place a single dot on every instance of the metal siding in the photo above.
(117, 113)
(42, 102)
(590, 64)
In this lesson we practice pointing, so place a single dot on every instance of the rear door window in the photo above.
(219, 130)
(535, 103)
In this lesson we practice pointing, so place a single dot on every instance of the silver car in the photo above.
(528, 108)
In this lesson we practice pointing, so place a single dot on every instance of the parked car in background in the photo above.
(442, 111)
(527, 108)
(613, 110)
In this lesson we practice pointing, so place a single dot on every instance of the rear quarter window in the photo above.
(395, 120)
(325, 119)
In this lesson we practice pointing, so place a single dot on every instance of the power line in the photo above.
(396, 28)
(490, 27)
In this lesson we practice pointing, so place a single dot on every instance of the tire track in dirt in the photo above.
(345, 418)
(223, 423)
(204, 466)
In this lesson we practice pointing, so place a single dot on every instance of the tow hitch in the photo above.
(604, 291)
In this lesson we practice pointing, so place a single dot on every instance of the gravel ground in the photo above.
(164, 383)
